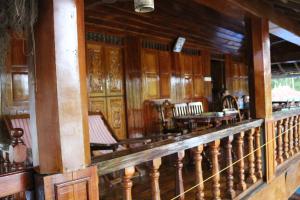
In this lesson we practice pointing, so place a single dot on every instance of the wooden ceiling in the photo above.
(202, 26)
(290, 8)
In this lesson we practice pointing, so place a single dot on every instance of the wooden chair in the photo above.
(230, 102)
(195, 108)
(102, 138)
(166, 116)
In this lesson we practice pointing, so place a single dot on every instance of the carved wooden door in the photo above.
(106, 84)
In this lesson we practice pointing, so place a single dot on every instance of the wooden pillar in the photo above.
(59, 116)
(259, 63)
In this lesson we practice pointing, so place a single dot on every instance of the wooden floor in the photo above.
(142, 186)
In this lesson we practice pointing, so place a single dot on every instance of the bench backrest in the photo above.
(180, 109)
(196, 108)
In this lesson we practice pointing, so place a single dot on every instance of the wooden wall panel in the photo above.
(150, 69)
(165, 67)
(14, 79)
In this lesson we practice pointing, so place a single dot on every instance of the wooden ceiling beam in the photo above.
(262, 9)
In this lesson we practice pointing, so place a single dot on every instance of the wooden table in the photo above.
(209, 118)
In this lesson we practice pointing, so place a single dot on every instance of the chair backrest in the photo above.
(196, 108)
(166, 114)
(180, 109)
(23, 122)
(230, 102)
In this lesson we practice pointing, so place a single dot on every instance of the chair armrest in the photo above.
(99, 146)
(134, 141)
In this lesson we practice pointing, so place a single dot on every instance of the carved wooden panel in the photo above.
(96, 70)
(97, 104)
(114, 69)
(165, 62)
(116, 118)
(106, 86)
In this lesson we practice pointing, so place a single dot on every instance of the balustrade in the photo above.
(228, 175)
(287, 135)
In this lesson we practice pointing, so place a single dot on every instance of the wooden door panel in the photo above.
(187, 87)
(96, 70)
(98, 104)
(114, 69)
(188, 64)
(165, 86)
(150, 61)
(116, 116)
(151, 86)
(165, 62)
(198, 86)
(197, 66)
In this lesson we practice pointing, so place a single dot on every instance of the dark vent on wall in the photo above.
(102, 37)
(192, 52)
(155, 45)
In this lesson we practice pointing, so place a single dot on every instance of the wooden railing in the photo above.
(233, 152)
(287, 133)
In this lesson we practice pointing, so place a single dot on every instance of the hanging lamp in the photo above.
(143, 6)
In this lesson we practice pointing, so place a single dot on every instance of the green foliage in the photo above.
(293, 83)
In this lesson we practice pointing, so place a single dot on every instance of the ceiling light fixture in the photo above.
(143, 6)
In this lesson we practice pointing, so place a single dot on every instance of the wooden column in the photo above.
(60, 95)
(59, 116)
(259, 63)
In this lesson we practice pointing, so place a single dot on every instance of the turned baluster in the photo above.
(241, 165)
(7, 164)
(296, 136)
(214, 151)
(286, 140)
(127, 183)
(251, 158)
(1, 163)
(179, 188)
(275, 142)
(198, 169)
(258, 161)
(154, 175)
(279, 143)
(291, 137)
(230, 193)
(298, 130)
